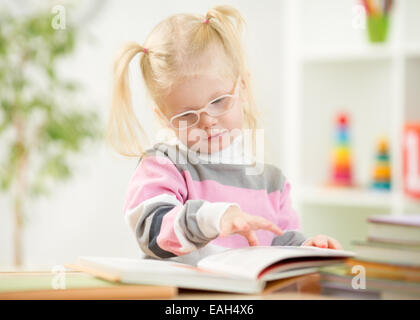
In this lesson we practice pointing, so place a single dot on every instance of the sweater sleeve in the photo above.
(289, 238)
(164, 222)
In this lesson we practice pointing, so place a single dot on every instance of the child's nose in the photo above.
(206, 120)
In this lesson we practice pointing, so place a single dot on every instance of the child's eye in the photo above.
(219, 100)
(188, 115)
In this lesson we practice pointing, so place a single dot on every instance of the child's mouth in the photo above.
(216, 135)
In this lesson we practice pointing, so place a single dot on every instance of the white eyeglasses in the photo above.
(215, 108)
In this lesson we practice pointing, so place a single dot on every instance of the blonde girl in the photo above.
(193, 192)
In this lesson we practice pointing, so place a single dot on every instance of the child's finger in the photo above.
(276, 229)
(261, 223)
(334, 244)
(251, 237)
(321, 242)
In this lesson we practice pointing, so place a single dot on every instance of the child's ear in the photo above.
(243, 83)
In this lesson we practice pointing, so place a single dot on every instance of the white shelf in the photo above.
(369, 52)
(337, 54)
(347, 197)
(355, 197)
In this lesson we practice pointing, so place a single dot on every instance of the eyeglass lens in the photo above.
(216, 108)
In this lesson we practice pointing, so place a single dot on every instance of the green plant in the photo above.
(41, 124)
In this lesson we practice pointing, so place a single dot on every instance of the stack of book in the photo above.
(386, 265)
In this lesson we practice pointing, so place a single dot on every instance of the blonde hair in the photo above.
(170, 53)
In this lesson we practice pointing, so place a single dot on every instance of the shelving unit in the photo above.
(332, 67)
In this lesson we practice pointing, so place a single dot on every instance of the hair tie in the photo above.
(206, 21)
(145, 51)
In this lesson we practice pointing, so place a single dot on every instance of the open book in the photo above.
(243, 270)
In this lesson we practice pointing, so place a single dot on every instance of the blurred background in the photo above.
(338, 83)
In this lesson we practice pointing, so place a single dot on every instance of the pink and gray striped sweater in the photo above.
(176, 198)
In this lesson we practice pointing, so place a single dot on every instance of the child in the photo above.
(194, 192)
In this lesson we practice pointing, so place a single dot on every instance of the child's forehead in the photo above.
(210, 80)
(211, 62)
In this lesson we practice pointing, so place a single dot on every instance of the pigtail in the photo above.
(124, 132)
(228, 20)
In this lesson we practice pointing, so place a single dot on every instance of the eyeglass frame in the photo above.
(203, 109)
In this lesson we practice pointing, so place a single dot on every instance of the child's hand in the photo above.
(322, 241)
(234, 220)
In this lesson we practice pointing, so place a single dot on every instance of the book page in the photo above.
(169, 273)
(125, 266)
(250, 261)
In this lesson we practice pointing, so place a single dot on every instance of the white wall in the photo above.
(84, 216)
